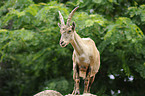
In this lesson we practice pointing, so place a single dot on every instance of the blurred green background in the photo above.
(31, 59)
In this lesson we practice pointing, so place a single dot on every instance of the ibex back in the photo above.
(86, 57)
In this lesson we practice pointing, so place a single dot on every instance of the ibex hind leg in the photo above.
(91, 82)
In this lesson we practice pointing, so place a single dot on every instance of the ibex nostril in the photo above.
(61, 42)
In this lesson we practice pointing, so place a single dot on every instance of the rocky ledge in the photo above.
(55, 93)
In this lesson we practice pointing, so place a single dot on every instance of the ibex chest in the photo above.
(83, 60)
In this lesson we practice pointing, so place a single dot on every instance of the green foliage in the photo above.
(31, 59)
(138, 15)
(134, 11)
(123, 38)
(61, 85)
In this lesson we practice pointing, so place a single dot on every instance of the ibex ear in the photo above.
(73, 26)
(59, 25)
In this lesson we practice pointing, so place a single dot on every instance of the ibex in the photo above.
(86, 57)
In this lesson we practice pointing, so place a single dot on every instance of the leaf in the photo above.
(113, 1)
(97, 1)
(32, 9)
(89, 23)
(133, 11)
(143, 16)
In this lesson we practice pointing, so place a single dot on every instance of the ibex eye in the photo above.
(69, 31)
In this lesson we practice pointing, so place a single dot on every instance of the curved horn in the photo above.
(61, 18)
(71, 15)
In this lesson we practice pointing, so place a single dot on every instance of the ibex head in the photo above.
(67, 31)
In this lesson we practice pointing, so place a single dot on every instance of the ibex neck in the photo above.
(77, 44)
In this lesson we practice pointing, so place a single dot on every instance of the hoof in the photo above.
(76, 92)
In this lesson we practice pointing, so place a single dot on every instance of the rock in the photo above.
(55, 93)
(85, 94)
(48, 93)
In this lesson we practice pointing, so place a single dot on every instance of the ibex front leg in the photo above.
(86, 83)
(76, 79)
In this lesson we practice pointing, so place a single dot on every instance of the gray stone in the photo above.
(85, 94)
(48, 93)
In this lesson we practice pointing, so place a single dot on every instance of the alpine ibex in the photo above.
(86, 57)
